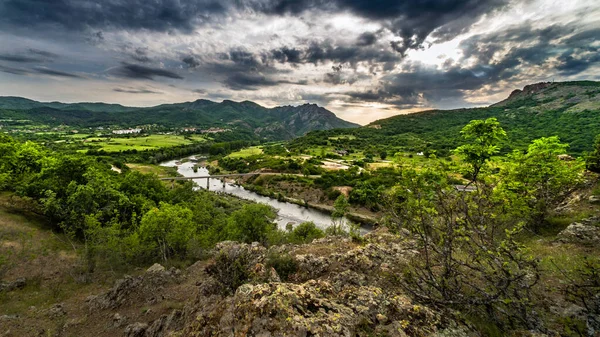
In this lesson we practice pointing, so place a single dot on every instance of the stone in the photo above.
(136, 329)
(155, 268)
(581, 233)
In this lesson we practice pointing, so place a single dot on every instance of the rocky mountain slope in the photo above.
(273, 124)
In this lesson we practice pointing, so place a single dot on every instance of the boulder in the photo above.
(583, 232)
(155, 268)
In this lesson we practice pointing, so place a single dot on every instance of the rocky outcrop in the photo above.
(140, 289)
(586, 232)
(19, 283)
(339, 288)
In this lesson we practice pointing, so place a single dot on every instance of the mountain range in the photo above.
(279, 123)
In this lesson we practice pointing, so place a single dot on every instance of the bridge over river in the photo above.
(220, 176)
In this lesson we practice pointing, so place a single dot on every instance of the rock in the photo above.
(594, 199)
(581, 233)
(311, 308)
(19, 283)
(118, 320)
(136, 329)
(165, 323)
(57, 310)
(155, 268)
(381, 318)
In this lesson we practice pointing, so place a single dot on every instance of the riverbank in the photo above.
(361, 219)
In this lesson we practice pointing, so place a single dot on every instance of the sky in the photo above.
(364, 59)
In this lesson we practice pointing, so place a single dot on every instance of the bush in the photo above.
(285, 265)
(230, 271)
(305, 232)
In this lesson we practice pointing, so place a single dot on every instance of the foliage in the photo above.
(470, 259)
(284, 264)
(305, 232)
(230, 270)
(539, 178)
(484, 138)
(252, 223)
(169, 227)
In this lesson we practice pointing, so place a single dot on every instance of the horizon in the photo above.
(363, 61)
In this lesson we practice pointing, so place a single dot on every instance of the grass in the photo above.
(247, 152)
(160, 171)
(150, 142)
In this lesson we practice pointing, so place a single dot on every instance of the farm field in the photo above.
(142, 143)
(247, 152)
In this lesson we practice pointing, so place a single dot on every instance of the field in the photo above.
(141, 143)
(247, 152)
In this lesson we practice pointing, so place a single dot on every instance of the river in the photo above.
(286, 212)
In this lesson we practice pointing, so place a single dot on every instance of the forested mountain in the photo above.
(570, 110)
(267, 123)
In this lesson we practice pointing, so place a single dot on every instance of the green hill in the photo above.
(570, 110)
(246, 117)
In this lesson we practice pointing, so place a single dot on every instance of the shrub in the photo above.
(305, 233)
(285, 265)
(230, 271)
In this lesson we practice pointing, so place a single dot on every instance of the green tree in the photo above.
(484, 138)
(305, 233)
(468, 256)
(252, 223)
(340, 209)
(169, 227)
(540, 178)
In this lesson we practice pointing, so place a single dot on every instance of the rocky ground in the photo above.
(335, 288)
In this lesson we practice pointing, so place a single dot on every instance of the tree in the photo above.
(251, 223)
(484, 139)
(593, 159)
(340, 207)
(170, 227)
(305, 233)
(540, 178)
(469, 258)
(383, 154)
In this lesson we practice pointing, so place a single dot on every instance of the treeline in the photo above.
(129, 217)
(169, 153)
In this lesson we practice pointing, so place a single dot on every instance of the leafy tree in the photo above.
(252, 223)
(340, 208)
(169, 227)
(540, 178)
(469, 258)
(305, 232)
(484, 139)
(593, 159)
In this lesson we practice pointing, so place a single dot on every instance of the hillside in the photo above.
(248, 117)
(570, 110)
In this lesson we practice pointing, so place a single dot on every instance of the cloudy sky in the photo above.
(362, 59)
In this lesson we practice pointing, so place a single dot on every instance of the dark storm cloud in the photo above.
(157, 15)
(141, 55)
(320, 52)
(366, 39)
(247, 81)
(136, 91)
(495, 57)
(52, 72)
(287, 55)
(19, 58)
(38, 70)
(412, 20)
(135, 71)
(190, 61)
(255, 81)
(28, 56)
